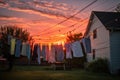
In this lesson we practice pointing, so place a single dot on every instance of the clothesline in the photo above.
(51, 54)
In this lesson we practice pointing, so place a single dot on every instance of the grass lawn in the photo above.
(46, 73)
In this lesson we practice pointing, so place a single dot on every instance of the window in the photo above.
(93, 54)
(95, 34)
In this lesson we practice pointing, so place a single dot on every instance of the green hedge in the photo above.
(99, 65)
(75, 62)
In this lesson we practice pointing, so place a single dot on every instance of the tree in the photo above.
(74, 37)
(15, 32)
(76, 62)
(118, 8)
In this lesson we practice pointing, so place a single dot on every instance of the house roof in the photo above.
(111, 20)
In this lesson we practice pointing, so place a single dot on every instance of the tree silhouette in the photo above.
(74, 37)
(118, 8)
(16, 32)
(76, 62)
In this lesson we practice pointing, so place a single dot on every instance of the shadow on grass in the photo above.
(47, 73)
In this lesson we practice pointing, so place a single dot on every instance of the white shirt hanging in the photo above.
(77, 49)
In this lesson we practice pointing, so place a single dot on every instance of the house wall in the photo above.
(115, 51)
(101, 43)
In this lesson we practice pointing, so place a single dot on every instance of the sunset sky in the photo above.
(42, 17)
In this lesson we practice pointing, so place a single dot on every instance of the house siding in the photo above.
(101, 43)
(115, 51)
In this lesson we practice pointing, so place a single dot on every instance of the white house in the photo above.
(104, 32)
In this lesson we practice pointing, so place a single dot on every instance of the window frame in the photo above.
(95, 34)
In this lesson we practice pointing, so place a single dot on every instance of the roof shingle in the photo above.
(111, 20)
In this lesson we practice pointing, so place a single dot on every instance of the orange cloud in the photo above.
(45, 31)
(43, 8)
(12, 19)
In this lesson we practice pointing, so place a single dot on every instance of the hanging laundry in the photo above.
(43, 52)
(77, 49)
(41, 55)
(0, 49)
(35, 55)
(9, 39)
(87, 44)
(47, 52)
(23, 52)
(12, 46)
(52, 55)
(18, 48)
(28, 51)
(38, 52)
(59, 53)
(68, 51)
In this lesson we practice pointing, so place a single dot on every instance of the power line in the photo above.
(73, 14)
(76, 13)
(50, 32)
(84, 29)
(71, 26)
(100, 26)
(65, 28)
(75, 28)
(60, 29)
(80, 26)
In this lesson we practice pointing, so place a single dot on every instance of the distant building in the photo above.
(104, 32)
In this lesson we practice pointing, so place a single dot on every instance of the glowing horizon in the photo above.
(40, 17)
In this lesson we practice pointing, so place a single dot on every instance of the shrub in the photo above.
(75, 62)
(78, 62)
(99, 65)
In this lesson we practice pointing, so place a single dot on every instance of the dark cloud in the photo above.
(2, 2)
(4, 16)
(50, 8)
